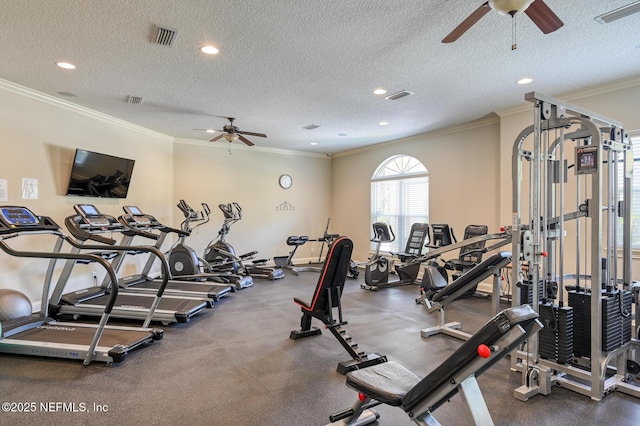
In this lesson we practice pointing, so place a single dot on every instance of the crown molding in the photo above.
(78, 109)
(482, 122)
(255, 148)
(577, 94)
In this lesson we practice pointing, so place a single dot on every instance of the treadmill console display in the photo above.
(18, 216)
(136, 214)
(133, 210)
(92, 215)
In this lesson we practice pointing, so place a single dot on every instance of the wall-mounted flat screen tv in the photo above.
(99, 175)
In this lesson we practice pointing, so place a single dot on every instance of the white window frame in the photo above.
(405, 171)
(635, 201)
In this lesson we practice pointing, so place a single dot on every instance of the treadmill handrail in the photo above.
(164, 265)
(67, 256)
(83, 235)
(126, 220)
(75, 256)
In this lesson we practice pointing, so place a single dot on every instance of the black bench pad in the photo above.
(387, 383)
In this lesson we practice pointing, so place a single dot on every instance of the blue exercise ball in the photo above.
(14, 304)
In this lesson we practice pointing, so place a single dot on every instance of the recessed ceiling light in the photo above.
(383, 123)
(209, 50)
(210, 131)
(525, 80)
(379, 92)
(66, 65)
(314, 143)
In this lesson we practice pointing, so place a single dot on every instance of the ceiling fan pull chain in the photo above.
(514, 45)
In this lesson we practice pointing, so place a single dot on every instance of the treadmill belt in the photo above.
(144, 302)
(74, 335)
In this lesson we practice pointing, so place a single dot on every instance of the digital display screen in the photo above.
(18, 216)
(99, 175)
(134, 210)
(586, 160)
(89, 210)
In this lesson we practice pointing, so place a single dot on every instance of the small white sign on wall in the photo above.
(29, 189)
(4, 192)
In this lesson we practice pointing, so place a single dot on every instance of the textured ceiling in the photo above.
(285, 64)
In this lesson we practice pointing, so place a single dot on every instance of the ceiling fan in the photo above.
(536, 10)
(232, 133)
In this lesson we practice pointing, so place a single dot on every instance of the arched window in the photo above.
(400, 197)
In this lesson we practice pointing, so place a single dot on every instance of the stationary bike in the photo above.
(221, 255)
(377, 269)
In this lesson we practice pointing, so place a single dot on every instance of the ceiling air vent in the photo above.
(164, 36)
(311, 127)
(398, 95)
(619, 13)
(134, 100)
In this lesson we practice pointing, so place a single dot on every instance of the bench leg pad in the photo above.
(299, 334)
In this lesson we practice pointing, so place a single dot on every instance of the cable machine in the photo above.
(572, 252)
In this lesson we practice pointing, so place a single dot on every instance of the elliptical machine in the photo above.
(221, 255)
(185, 263)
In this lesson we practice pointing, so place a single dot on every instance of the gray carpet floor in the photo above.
(235, 365)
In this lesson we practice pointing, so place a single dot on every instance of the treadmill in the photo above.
(139, 223)
(87, 224)
(39, 335)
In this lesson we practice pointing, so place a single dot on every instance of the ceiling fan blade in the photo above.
(217, 138)
(245, 140)
(467, 23)
(262, 135)
(543, 17)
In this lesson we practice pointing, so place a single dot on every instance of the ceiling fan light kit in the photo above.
(536, 10)
(232, 133)
(509, 7)
(230, 137)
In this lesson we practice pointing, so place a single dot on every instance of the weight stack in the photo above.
(555, 341)
(615, 327)
(526, 292)
(627, 301)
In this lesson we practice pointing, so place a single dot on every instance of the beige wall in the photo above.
(39, 135)
(469, 168)
(463, 180)
(618, 102)
(222, 173)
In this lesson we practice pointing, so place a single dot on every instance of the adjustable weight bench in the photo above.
(436, 294)
(394, 385)
(326, 299)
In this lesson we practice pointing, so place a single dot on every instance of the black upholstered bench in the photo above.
(395, 385)
(326, 299)
(437, 294)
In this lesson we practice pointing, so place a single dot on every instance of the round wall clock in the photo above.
(285, 181)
